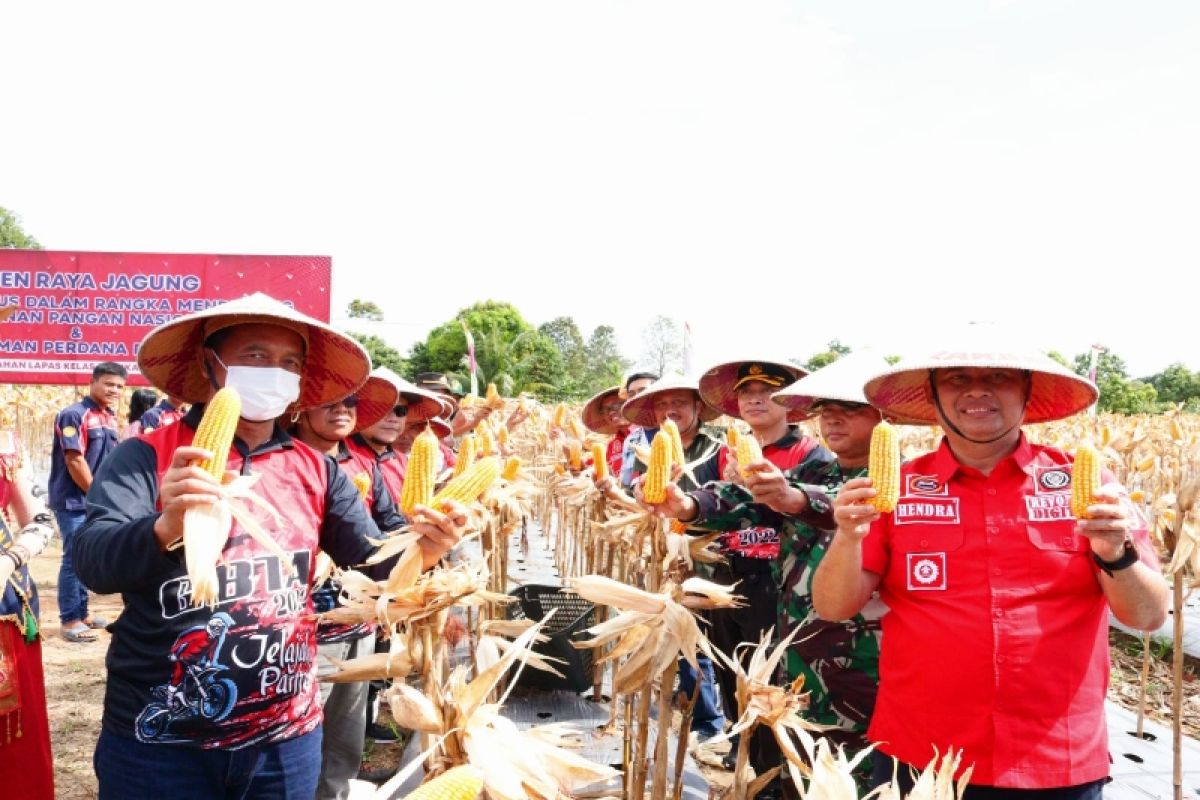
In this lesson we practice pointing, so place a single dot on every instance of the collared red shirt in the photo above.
(996, 641)
(160, 416)
(85, 427)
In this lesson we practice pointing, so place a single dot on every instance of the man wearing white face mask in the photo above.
(244, 720)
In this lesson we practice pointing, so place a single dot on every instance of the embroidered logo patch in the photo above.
(1053, 479)
(926, 572)
(924, 485)
(69, 431)
(926, 510)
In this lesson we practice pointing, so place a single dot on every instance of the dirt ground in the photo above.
(75, 689)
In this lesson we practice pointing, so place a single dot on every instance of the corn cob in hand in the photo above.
(206, 528)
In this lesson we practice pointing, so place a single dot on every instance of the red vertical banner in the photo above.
(75, 309)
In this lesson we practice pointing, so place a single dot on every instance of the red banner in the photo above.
(78, 309)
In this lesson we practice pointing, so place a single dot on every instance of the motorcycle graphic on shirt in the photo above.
(196, 688)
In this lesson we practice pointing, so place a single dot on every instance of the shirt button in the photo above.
(998, 613)
(1000, 659)
(996, 571)
(1066, 540)
(993, 530)
(991, 492)
(924, 543)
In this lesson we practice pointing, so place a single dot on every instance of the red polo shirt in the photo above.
(996, 641)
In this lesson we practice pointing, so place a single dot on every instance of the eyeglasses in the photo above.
(400, 411)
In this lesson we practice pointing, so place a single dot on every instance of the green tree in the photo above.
(564, 334)
(832, 353)
(364, 309)
(604, 365)
(1118, 393)
(1176, 384)
(12, 235)
(382, 354)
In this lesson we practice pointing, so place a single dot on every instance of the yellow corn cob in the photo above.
(206, 528)
(731, 439)
(1085, 479)
(1137, 496)
(362, 482)
(460, 783)
(575, 455)
(884, 467)
(502, 436)
(511, 468)
(560, 415)
(748, 451)
(672, 430)
(421, 473)
(492, 396)
(577, 428)
(658, 473)
(466, 455)
(1146, 464)
(599, 463)
(467, 487)
(483, 442)
(560, 470)
(1177, 430)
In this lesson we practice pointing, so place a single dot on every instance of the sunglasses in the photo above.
(400, 411)
(349, 402)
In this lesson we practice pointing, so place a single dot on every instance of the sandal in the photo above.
(96, 623)
(78, 635)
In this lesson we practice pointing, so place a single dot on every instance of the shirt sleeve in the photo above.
(875, 546)
(385, 511)
(69, 430)
(116, 550)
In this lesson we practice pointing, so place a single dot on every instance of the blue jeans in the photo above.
(133, 770)
(72, 594)
(707, 719)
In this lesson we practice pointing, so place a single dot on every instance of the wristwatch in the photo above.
(1123, 561)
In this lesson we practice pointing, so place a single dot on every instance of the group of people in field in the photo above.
(973, 616)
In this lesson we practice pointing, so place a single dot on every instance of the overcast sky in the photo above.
(777, 174)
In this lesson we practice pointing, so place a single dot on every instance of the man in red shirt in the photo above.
(996, 641)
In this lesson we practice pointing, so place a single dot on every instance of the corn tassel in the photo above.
(511, 468)
(467, 487)
(466, 455)
(599, 463)
(884, 467)
(460, 783)
(748, 451)
(658, 473)
(206, 528)
(421, 473)
(1085, 479)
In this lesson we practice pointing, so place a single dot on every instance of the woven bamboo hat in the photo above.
(718, 386)
(594, 418)
(375, 398)
(441, 428)
(1055, 392)
(422, 403)
(640, 409)
(839, 380)
(171, 355)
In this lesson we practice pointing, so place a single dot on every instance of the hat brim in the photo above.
(421, 402)
(841, 380)
(595, 420)
(640, 409)
(1055, 392)
(376, 398)
(171, 355)
(718, 386)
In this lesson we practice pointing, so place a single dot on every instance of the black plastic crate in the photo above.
(572, 616)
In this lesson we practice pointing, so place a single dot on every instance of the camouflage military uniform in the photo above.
(839, 661)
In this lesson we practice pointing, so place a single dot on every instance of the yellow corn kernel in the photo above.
(467, 487)
(362, 482)
(421, 473)
(658, 473)
(575, 455)
(511, 468)
(748, 451)
(466, 455)
(1085, 479)
(672, 430)
(883, 467)
(460, 783)
(599, 461)
(206, 528)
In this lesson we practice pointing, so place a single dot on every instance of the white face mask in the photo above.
(266, 392)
